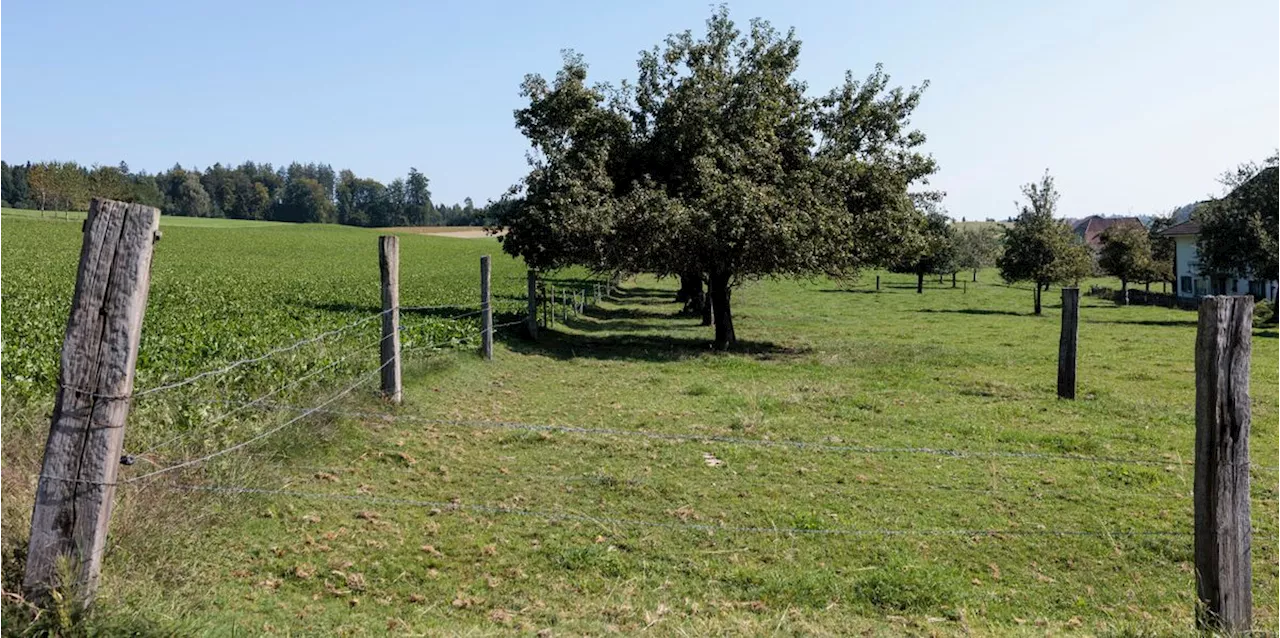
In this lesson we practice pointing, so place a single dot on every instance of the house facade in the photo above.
(1192, 284)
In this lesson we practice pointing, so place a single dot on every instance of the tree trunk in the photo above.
(691, 293)
(1124, 291)
(919, 283)
(975, 275)
(1148, 286)
(708, 314)
(720, 308)
(953, 280)
(1037, 297)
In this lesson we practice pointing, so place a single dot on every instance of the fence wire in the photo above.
(242, 406)
(708, 438)
(361, 381)
(683, 525)
(236, 364)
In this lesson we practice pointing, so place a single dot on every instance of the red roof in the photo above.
(1090, 229)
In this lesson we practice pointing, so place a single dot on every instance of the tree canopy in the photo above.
(1126, 255)
(715, 162)
(1039, 248)
(977, 248)
(1238, 233)
(935, 252)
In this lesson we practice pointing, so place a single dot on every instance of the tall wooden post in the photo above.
(551, 305)
(1067, 343)
(82, 454)
(486, 311)
(1221, 494)
(389, 265)
(533, 303)
(877, 283)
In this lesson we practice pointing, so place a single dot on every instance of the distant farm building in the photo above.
(1090, 229)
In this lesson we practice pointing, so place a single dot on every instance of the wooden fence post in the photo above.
(82, 454)
(1223, 533)
(1067, 343)
(389, 265)
(533, 304)
(486, 311)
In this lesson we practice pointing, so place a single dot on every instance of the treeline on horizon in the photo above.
(295, 193)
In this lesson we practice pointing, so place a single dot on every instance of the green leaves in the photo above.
(1038, 247)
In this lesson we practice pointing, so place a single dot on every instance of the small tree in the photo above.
(1126, 255)
(1039, 248)
(936, 252)
(976, 248)
(1162, 250)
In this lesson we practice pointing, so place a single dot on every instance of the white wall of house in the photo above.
(1191, 284)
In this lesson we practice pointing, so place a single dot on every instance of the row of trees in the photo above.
(715, 166)
(294, 193)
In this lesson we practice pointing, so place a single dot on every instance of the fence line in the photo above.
(827, 447)
(701, 527)
(235, 364)
(361, 381)
(238, 408)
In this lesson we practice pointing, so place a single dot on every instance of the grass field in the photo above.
(426, 521)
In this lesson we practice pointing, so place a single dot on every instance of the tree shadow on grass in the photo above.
(978, 311)
(438, 312)
(1150, 322)
(1267, 334)
(636, 347)
(856, 291)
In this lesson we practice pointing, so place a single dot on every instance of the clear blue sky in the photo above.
(1135, 107)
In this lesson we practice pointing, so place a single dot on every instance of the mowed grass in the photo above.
(436, 519)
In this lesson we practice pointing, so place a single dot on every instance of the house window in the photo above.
(1186, 284)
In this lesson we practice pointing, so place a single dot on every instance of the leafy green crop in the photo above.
(220, 294)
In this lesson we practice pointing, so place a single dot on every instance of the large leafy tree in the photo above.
(715, 164)
(1238, 233)
(1126, 255)
(1039, 248)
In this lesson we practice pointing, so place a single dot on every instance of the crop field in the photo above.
(880, 463)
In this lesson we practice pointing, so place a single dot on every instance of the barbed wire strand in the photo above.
(235, 364)
(362, 380)
(671, 436)
(702, 527)
(242, 406)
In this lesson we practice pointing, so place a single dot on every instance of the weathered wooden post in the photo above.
(82, 454)
(551, 305)
(1067, 343)
(389, 265)
(486, 311)
(533, 304)
(877, 283)
(1223, 534)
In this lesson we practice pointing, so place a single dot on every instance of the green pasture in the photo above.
(871, 462)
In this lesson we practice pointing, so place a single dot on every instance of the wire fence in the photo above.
(550, 515)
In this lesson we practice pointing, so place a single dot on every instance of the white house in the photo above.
(1191, 283)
